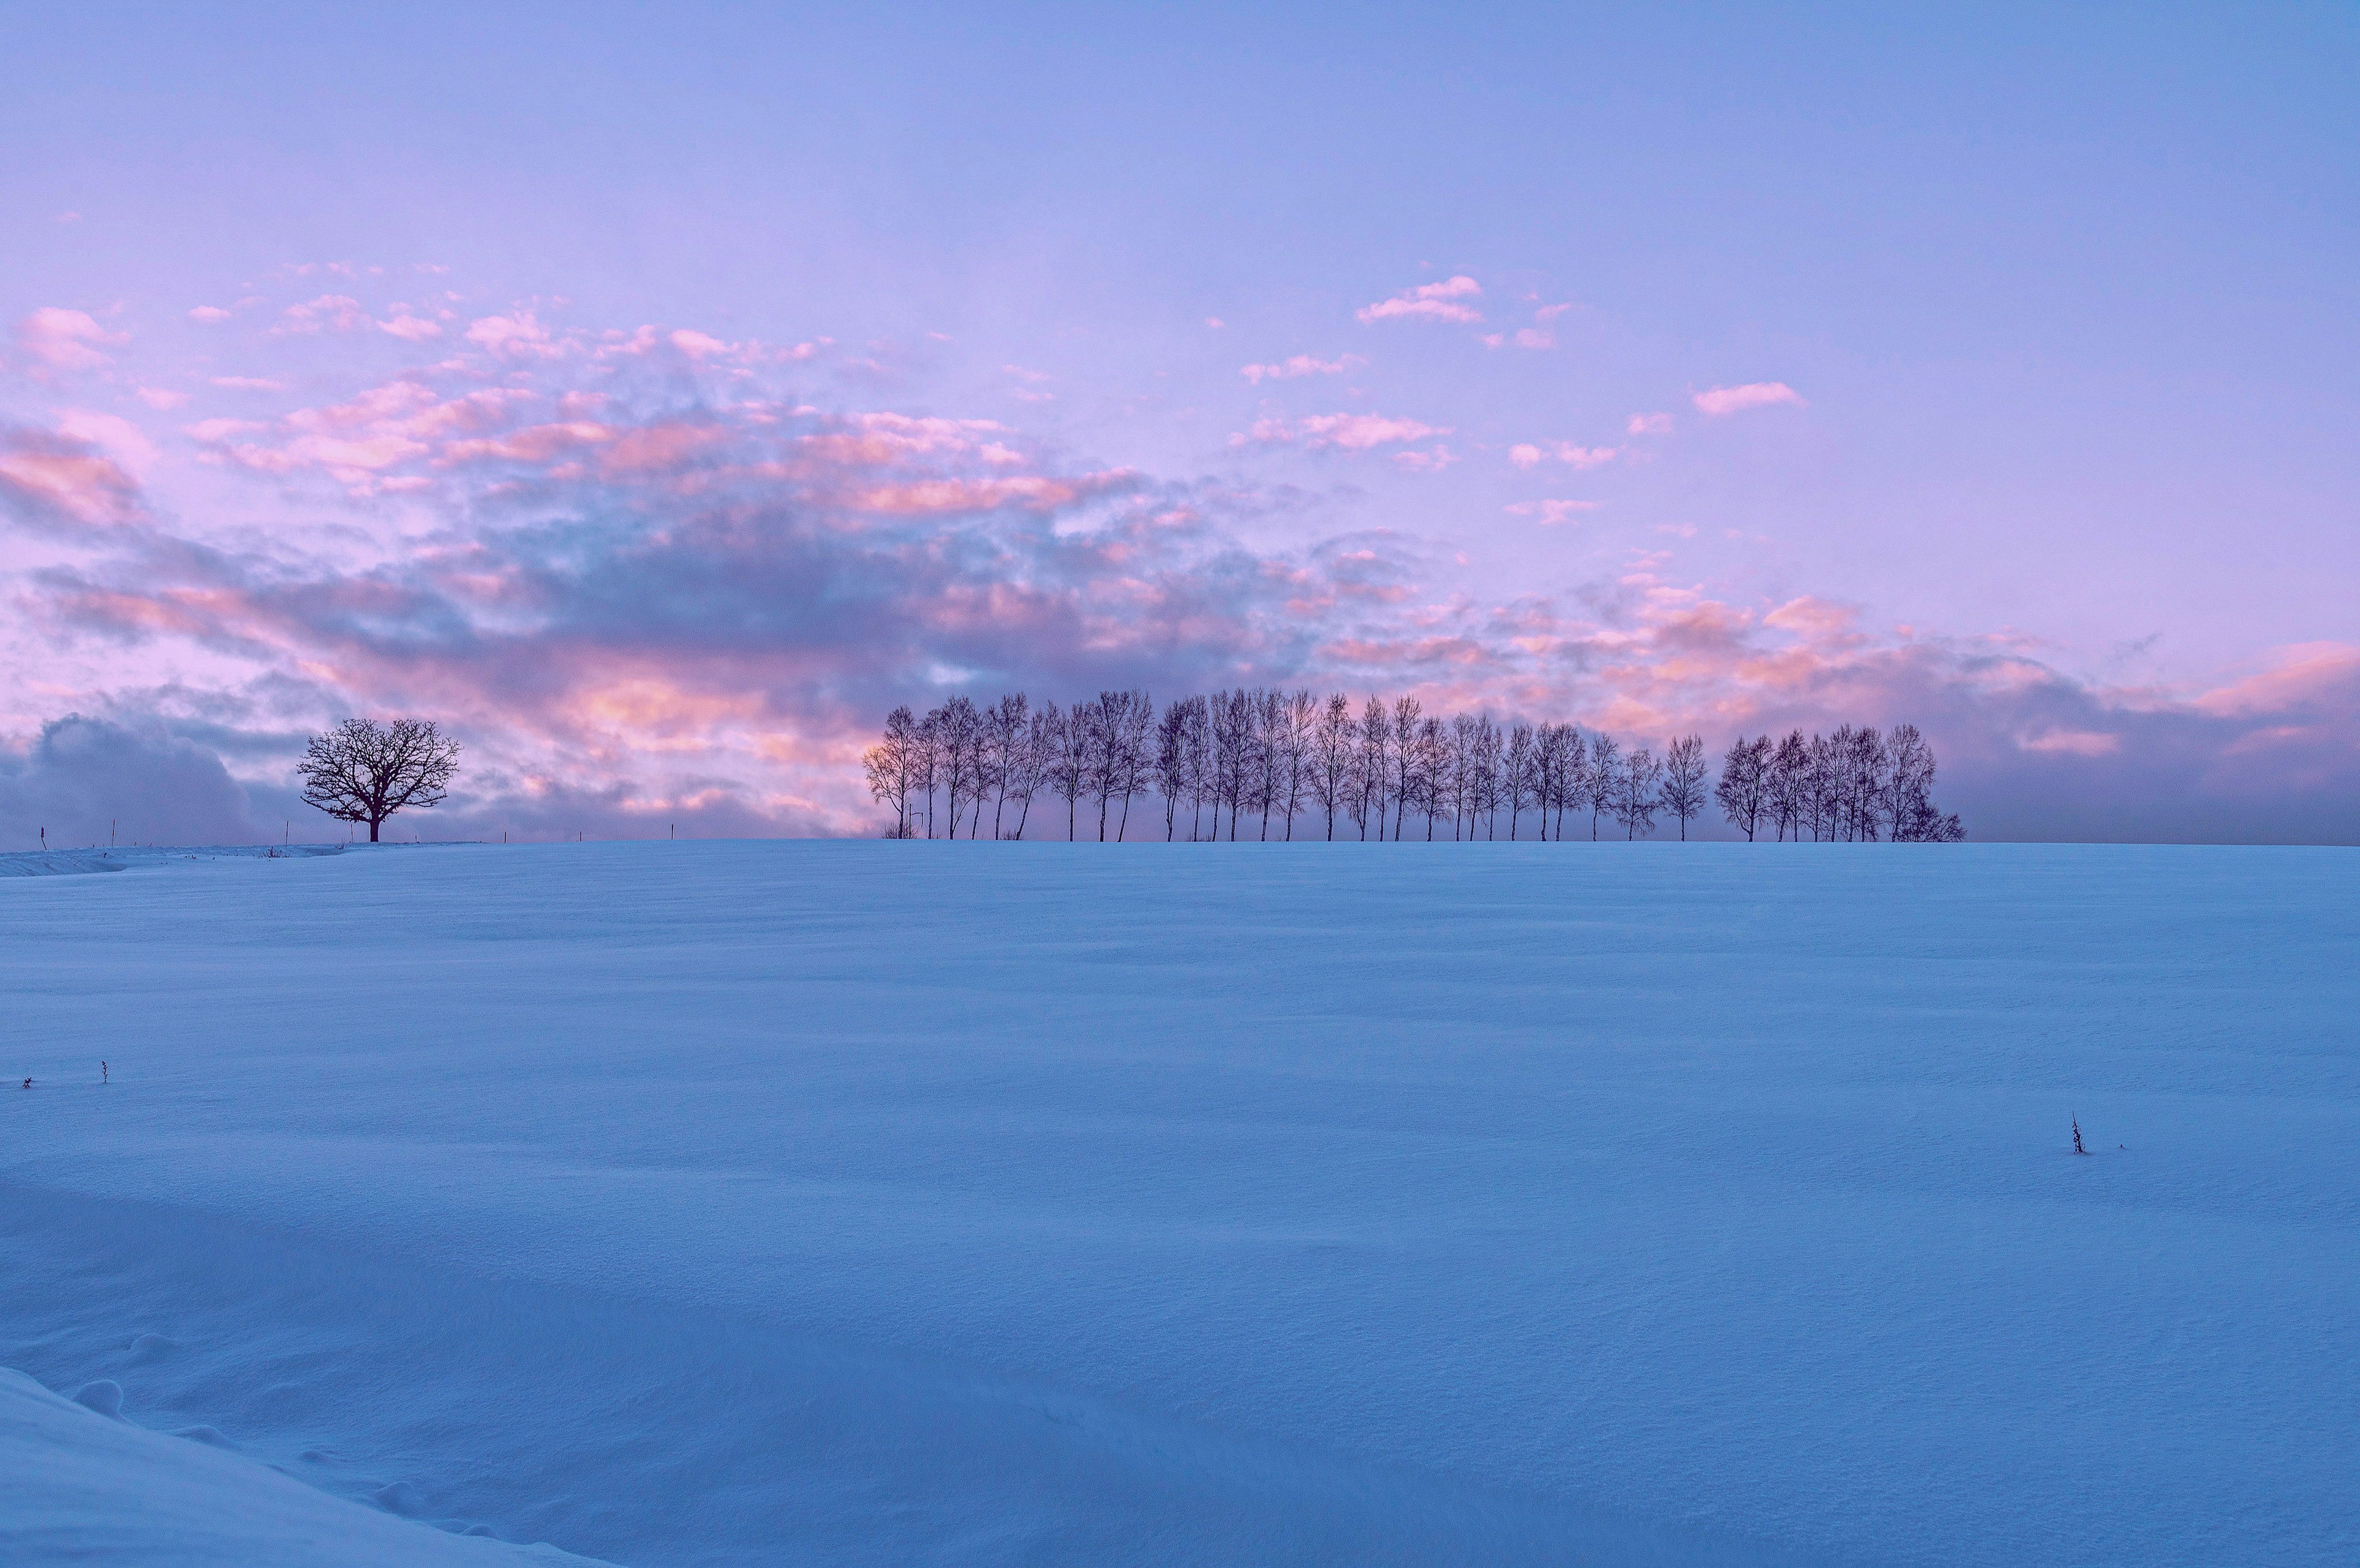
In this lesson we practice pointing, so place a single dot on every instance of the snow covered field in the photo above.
(918, 1202)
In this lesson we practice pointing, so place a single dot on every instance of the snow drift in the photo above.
(891, 1202)
(84, 1486)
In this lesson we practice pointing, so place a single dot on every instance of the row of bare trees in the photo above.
(1264, 762)
(1855, 785)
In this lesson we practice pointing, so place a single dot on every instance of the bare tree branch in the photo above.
(364, 772)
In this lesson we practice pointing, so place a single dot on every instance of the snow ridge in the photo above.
(85, 1486)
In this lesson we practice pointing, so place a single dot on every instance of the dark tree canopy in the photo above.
(362, 771)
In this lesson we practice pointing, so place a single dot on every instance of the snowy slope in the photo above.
(877, 1202)
(80, 1486)
(83, 862)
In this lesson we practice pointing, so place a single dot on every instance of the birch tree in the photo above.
(1029, 767)
(1685, 772)
(1742, 791)
(1605, 780)
(1172, 764)
(1331, 776)
(1637, 795)
(1516, 785)
(1376, 770)
(892, 766)
(1302, 722)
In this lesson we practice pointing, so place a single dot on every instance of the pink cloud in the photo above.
(161, 399)
(213, 430)
(338, 310)
(247, 384)
(209, 315)
(877, 439)
(346, 457)
(1346, 432)
(60, 339)
(1300, 365)
(516, 335)
(1358, 433)
(1814, 617)
(1753, 395)
(1551, 512)
(117, 435)
(1032, 381)
(535, 443)
(657, 447)
(1649, 425)
(1430, 302)
(2072, 743)
(604, 584)
(53, 477)
(932, 498)
(1433, 461)
(1528, 454)
(698, 346)
(411, 328)
(2304, 673)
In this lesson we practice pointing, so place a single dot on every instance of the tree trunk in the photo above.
(372, 821)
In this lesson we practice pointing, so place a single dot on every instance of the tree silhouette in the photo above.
(1265, 752)
(1685, 772)
(364, 772)
(1744, 792)
(892, 767)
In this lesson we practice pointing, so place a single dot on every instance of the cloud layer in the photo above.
(653, 575)
(1448, 301)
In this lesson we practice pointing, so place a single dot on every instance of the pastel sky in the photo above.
(657, 395)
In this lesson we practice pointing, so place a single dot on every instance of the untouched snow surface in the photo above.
(85, 1487)
(972, 1203)
(81, 862)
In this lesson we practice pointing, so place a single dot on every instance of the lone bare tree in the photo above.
(364, 772)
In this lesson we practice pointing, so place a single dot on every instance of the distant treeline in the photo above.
(1264, 762)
